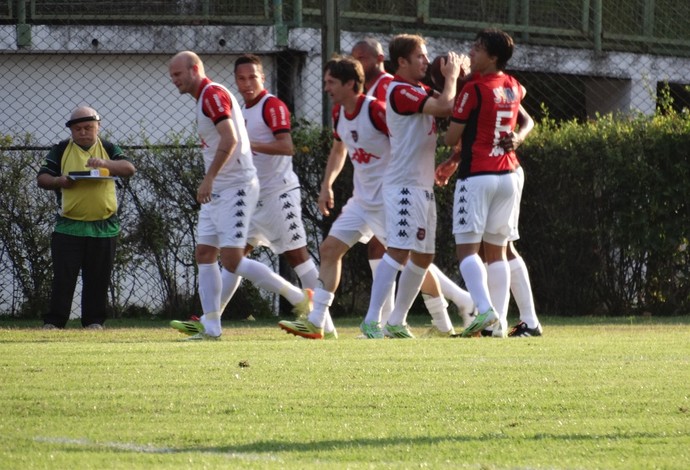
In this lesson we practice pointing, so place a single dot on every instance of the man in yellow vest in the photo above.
(80, 170)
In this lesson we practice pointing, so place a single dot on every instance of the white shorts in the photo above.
(277, 222)
(514, 233)
(483, 208)
(410, 218)
(356, 223)
(224, 221)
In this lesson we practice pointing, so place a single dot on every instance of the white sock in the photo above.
(387, 307)
(456, 294)
(229, 284)
(322, 301)
(474, 273)
(410, 282)
(499, 286)
(209, 294)
(263, 277)
(328, 326)
(381, 287)
(521, 288)
(308, 274)
(438, 309)
(211, 322)
(209, 287)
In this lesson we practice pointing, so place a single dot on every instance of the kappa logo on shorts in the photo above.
(462, 221)
(239, 224)
(239, 235)
(241, 192)
(404, 202)
(421, 233)
(293, 226)
(239, 213)
(287, 205)
(405, 191)
(240, 203)
(296, 237)
(462, 210)
(402, 234)
(290, 216)
(462, 200)
(403, 212)
(403, 223)
(463, 189)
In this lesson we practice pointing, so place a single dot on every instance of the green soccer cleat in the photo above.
(202, 337)
(434, 332)
(302, 308)
(371, 330)
(190, 327)
(480, 322)
(397, 331)
(303, 328)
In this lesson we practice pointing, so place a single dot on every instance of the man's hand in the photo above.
(510, 142)
(445, 170)
(203, 194)
(326, 201)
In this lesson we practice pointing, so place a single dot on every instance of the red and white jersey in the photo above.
(380, 87)
(412, 135)
(488, 107)
(215, 104)
(365, 136)
(266, 118)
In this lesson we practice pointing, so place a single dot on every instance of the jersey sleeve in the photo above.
(406, 99)
(51, 163)
(216, 104)
(276, 115)
(377, 113)
(382, 89)
(465, 102)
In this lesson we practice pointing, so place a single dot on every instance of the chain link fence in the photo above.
(577, 58)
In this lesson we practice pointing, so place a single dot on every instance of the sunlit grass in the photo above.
(590, 393)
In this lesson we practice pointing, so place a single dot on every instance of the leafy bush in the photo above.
(604, 216)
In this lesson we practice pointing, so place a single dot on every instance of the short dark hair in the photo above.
(498, 44)
(249, 59)
(346, 68)
(402, 46)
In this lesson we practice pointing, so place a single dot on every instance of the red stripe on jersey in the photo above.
(276, 115)
(216, 104)
(408, 99)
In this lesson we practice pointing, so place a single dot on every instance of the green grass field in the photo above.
(591, 393)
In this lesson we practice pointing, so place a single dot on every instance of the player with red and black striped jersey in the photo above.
(486, 111)
(228, 195)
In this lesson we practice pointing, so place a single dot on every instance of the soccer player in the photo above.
(277, 220)
(228, 195)
(369, 53)
(486, 111)
(360, 130)
(408, 194)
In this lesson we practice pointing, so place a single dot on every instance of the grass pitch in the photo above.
(591, 393)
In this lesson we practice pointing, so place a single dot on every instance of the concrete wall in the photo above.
(122, 72)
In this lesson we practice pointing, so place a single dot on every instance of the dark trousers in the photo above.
(94, 257)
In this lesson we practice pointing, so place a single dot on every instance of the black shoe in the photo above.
(522, 330)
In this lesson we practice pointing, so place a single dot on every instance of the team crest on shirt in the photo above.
(355, 135)
(421, 233)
